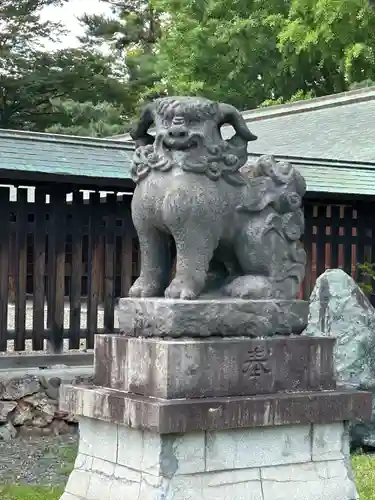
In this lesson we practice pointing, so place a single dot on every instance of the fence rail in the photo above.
(64, 263)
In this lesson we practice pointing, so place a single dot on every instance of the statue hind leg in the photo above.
(268, 270)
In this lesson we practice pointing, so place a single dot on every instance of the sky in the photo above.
(68, 16)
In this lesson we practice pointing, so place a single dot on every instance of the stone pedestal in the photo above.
(213, 419)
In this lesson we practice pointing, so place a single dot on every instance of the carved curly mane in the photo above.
(215, 160)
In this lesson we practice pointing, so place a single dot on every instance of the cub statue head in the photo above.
(188, 136)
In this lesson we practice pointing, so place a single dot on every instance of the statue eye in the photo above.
(165, 122)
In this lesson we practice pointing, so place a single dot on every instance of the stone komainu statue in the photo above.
(238, 225)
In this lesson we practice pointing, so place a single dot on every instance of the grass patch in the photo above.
(364, 470)
(30, 493)
(363, 465)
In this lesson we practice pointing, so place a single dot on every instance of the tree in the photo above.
(91, 120)
(130, 32)
(31, 77)
(223, 49)
(328, 45)
(250, 51)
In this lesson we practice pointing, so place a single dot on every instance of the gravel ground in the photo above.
(44, 460)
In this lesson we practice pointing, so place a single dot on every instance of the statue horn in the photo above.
(229, 114)
(139, 133)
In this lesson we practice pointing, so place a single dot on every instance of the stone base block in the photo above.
(169, 416)
(227, 317)
(196, 368)
(295, 462)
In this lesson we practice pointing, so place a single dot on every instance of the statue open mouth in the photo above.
(184, 144)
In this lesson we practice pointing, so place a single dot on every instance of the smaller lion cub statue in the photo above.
(238, 224)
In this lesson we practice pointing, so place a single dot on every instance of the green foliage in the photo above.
(298, 96)
(92, 120)
(223, 49)
(367, 277)
(250, 52)
(328, 44)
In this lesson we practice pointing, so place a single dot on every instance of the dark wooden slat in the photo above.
(109, 264)
(51, 268)
(361, 238)
(39, 269)
(76, 274)
(21, 269)
(94, 269)
(126, 247)
(46, 360)
(334, 237)
(57, 229)
(4, 266)
(320, 222)
(307, 242)
(348, 224)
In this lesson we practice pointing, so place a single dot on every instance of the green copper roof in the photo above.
(64, 155)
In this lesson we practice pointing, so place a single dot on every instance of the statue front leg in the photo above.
(195, 247)
(155, 263)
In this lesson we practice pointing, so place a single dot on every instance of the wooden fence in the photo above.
(80, 255)
(337, 236)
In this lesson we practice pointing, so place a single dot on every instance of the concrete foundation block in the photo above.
(328, 480)
(261, 447)
(328, 441)
(291, 462)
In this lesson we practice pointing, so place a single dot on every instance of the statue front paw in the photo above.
(180, 289)
(144, 288)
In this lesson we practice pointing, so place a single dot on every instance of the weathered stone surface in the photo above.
(211, 317)
(246, 464)
(192, 368)
(6, 407)
(174, 416)
(16, 388)
(240, 227)
(338, 308)
(7, 432)
(23, 414)
(46, 408)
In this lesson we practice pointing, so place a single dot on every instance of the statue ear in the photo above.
(231, 116)
(140, 132)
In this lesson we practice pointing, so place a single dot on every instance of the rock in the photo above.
(7, 432)
(17, 388)
(40, 421)
(6, 407)
(22, 415)
(339, 308)
(44, 405)
(51, 387)
(59, 427)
